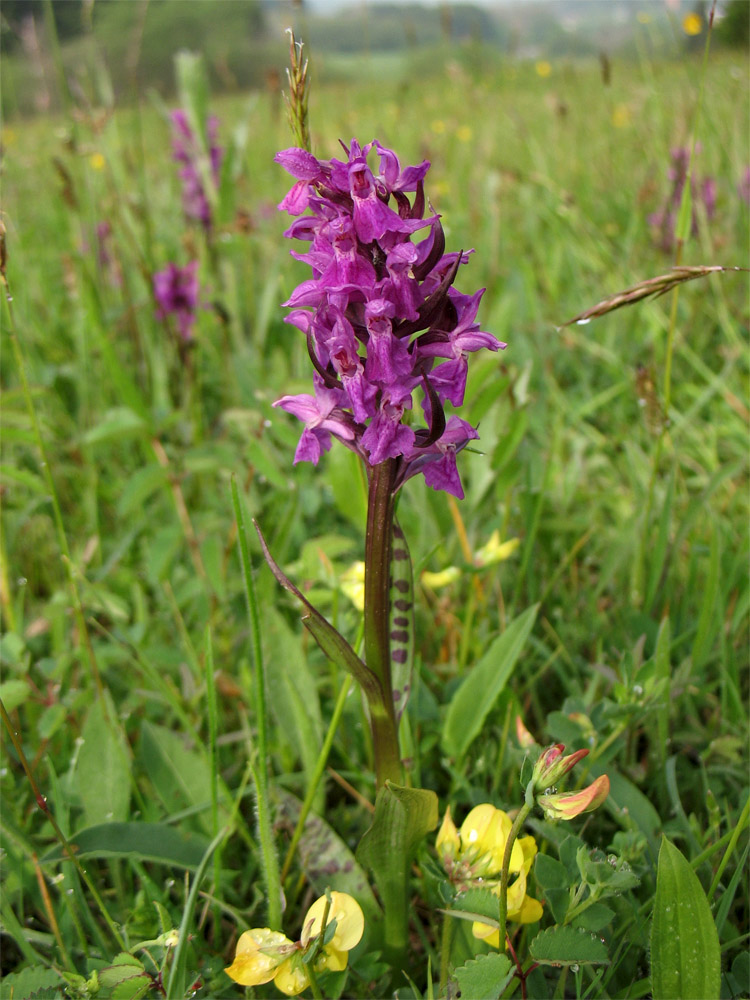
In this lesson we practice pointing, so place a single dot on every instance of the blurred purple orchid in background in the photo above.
(381, 316)
(664, 221)
(186, 150)
(176, 294)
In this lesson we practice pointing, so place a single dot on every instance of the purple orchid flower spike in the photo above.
(383, 321)
(185, 150)
(176, 293)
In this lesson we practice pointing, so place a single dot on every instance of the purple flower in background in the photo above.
(385, 327)
(176, 293)
(186, 151)
(664, 221)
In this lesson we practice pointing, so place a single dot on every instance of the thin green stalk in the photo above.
(62, 539)
(176, 987)
(260, 771)
(213, 756)
(317, 774)
(505, 872)
(41, 801)
(741, 823)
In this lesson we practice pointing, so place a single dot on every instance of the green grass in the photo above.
(554, 197)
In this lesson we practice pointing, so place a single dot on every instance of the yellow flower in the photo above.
(353, 584)
(522, 909)
(350, 924)
(543, 68)
(643, 17)
(692, 24)
(495, 551)
(464, 133)
(263, 954)
(442, 578)
(484, 834)
(97, 161)
(448, 841)
(259, 954)
(438, 126)
(621, 116)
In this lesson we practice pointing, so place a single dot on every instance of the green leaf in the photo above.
(479, 691)
(292, 693)
(102, 777)
(124, 979)
(139, 487)
(116, 424)
(325, 858)
(594, 917)
(403, 816)
(552, 878)
(180, 776)
(144, 841)
(333, 644)
(485, 977)
(14, 693)
(477, 904)
(568, 946)
(685, 955)
(36, 981)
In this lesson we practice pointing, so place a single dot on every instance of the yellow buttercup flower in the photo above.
(692, 24)
(263, 954)
(543, 68)
(97, 161)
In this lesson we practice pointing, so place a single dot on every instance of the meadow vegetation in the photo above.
(615, 452)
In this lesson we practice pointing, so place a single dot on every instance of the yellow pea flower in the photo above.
(263, 954)
(522, 909)
(259, 954)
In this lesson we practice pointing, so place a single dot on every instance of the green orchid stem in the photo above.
(381, 505)
(380, 513)
(505, 873)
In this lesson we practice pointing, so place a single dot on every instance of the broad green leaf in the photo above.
(629, 806)
(485, 977)
(325, 858)
(102, 776)
(568, 946)
(144, 841)
(181, 777)
(292, 694)
(685, 955)
(116, 424)
(479, 691)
